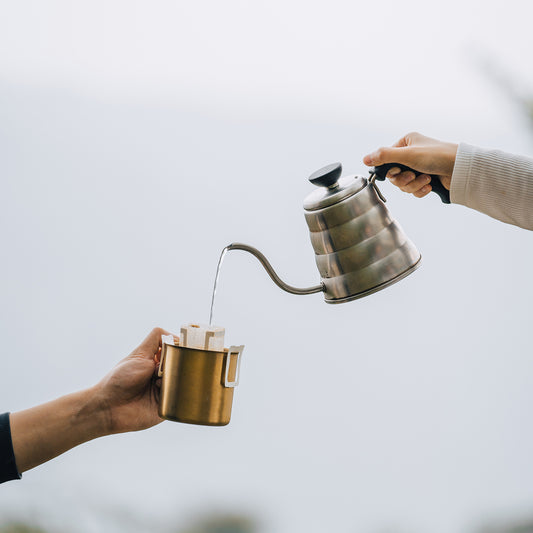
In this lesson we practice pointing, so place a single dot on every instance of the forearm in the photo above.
(124, 400)
(46, 431)
(494, 182)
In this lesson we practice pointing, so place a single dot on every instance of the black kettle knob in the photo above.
(326, 176)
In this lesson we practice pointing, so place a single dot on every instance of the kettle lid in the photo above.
(332, 189)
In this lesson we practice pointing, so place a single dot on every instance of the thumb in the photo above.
(405, 156)
(151, 344)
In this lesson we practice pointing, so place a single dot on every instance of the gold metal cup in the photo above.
(197, 385)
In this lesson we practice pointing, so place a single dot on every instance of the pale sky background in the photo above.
(137, 139)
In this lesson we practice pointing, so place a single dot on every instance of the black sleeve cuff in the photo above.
(8, 466)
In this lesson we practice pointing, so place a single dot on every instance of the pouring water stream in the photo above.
(219, 265)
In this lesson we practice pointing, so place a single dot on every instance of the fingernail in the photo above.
(427, 179)
(394, 171)
(426, 188)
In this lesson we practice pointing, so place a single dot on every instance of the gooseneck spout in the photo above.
(268, 267)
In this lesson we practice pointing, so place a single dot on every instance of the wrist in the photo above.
(95, 412)
(87, 414)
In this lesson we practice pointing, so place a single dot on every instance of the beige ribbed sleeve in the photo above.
(496, 183)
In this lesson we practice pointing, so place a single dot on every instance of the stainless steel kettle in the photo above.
(359, 248)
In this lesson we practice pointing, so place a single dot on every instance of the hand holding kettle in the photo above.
(494, 182)
(422, 154)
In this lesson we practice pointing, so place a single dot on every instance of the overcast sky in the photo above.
(139, 138)
(335, 58)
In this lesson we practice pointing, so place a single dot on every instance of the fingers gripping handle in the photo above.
(436, 185)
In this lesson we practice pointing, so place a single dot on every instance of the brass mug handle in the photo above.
(165, 339)
(233, 350)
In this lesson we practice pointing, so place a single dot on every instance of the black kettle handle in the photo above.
(437, 187)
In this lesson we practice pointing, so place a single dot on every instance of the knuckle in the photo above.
(406, 178)
(380, 154)
(413, 187)
(424, 191)
(413, 137)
